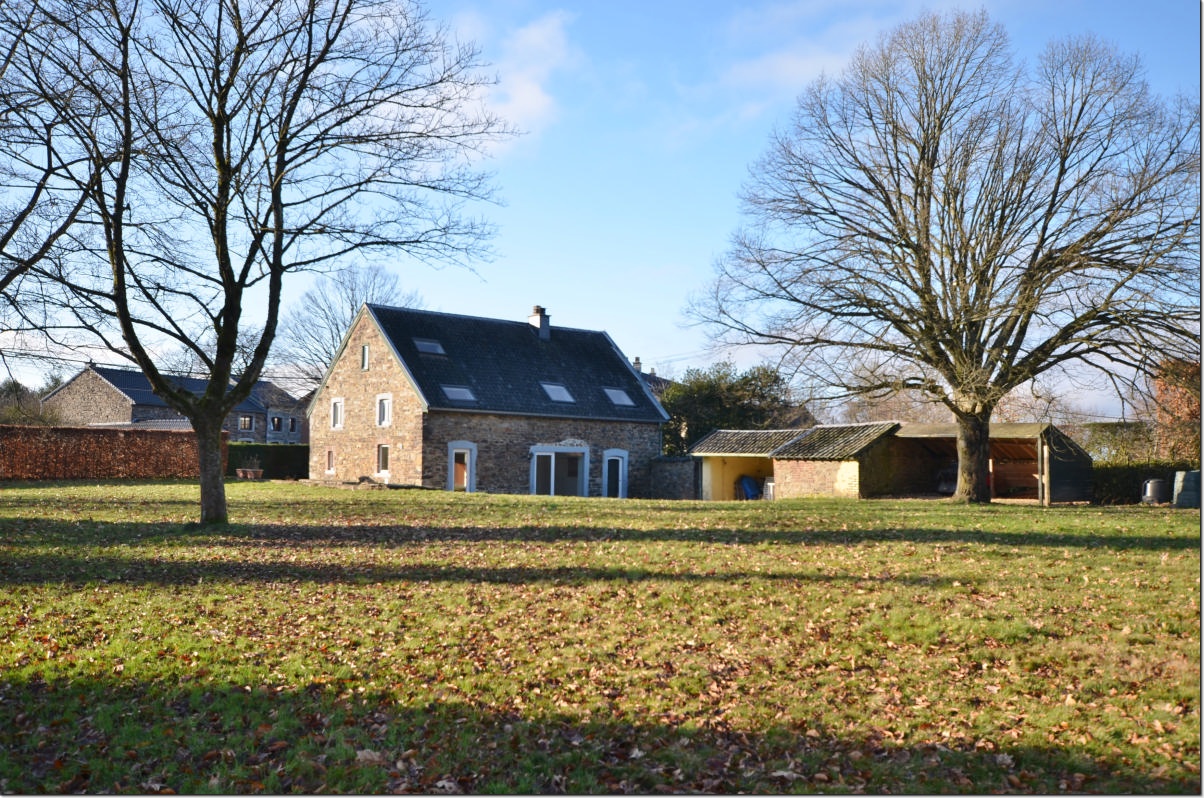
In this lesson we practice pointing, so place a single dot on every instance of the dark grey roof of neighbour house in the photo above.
(745, 442)
(834, 441)
(504, 365)
(135, 386)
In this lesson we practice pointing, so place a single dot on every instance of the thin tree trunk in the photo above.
(213, 479)
(973, 458)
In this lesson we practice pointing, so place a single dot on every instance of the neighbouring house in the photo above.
(655, 383)
(453, 402)
(105, 396)
(1028, 461)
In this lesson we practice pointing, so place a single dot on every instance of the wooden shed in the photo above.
(1028, 461)
(729, 457)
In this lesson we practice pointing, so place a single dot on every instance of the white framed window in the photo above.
(277, 424)
(382, 459)
(336, 413)
(557, 392)
(330, 461)
(384, 409)
(246, 422)
(365, 357)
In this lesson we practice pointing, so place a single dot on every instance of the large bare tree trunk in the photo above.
(973, 458)
(213, 480)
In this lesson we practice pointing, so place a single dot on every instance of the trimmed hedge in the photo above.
(97, 453)
(1122, 483)
(278, 460)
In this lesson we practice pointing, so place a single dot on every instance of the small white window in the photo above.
(619, 397)
(277, 424)
(365, 357)
(382, 459)
(384, 410)
(458, 393)
(336, 413)
(429, 346)
(330, 461)
(557, 392)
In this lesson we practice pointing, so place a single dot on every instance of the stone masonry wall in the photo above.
(353, 447)
(89, 399)
(676, 478)
(504, 448)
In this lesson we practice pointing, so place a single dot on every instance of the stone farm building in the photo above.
(104, 396)
(1029, 461)
(457, 402)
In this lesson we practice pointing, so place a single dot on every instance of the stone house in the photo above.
(1028, 461)
(455, 402)
(105, 396)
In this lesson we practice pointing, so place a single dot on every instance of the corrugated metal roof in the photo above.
(745, 442)
(834, 442)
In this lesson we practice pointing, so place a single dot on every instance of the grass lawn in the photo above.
(413, 641)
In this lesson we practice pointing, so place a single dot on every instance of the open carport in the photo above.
(1034, 461)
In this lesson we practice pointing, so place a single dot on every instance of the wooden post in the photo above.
(1045, 471)
(1042, 498)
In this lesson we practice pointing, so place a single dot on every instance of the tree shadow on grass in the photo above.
(189, 734)
(39, 568)
(33, 531)
(43, 552)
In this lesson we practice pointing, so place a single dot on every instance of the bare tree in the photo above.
(959, 225)
(240, 141)
(310, 333)
(43, 172)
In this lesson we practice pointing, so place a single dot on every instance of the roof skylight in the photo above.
(458, 393)
(429, 346)
(557, 392)
(619, 397)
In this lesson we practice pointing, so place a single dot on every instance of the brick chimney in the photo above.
(541, 321)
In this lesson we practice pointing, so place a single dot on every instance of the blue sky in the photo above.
(642, 119)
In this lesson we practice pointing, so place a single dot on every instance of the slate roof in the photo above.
(745, 443)
(834, 442)
(503, 364)
(137, 388)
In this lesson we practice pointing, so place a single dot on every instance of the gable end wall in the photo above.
(355, 445)
(89, 399)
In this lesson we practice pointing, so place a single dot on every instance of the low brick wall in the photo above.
(97, 453)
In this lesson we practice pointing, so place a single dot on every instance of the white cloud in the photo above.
(531, 57)
(796, 41)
